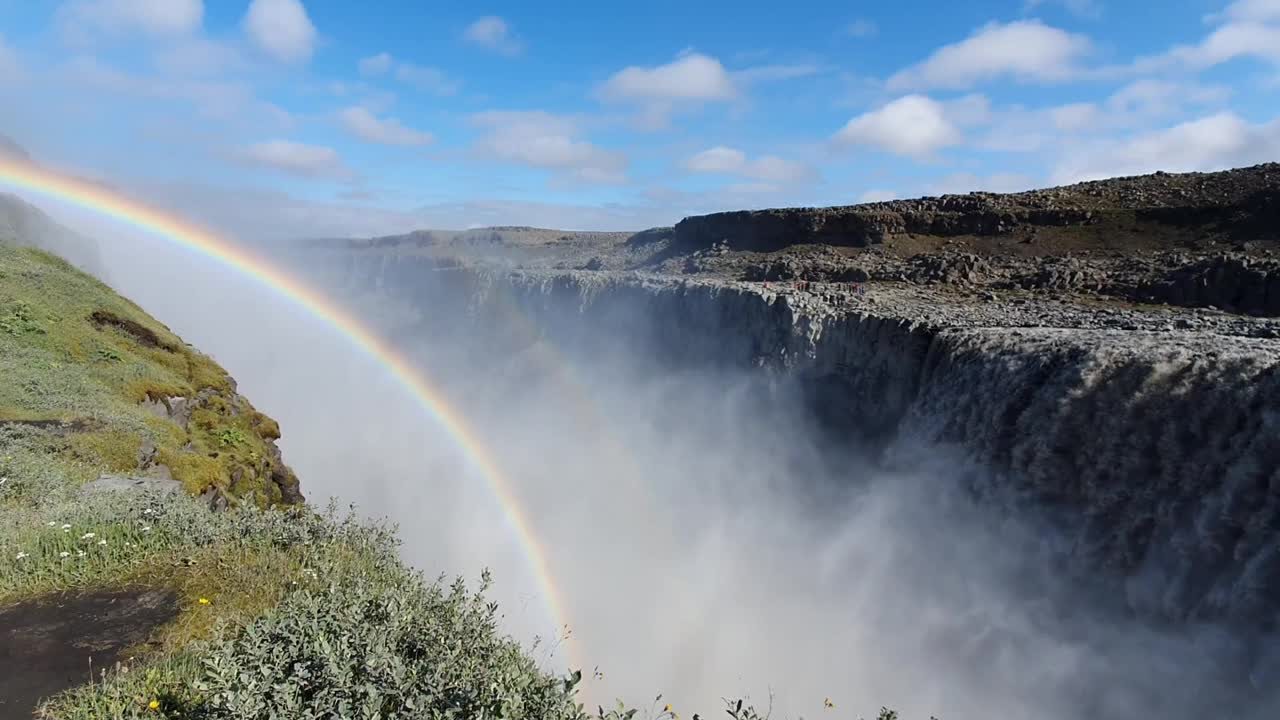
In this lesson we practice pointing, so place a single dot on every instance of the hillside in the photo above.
(152, 541)
(157, 559)
(23, 224)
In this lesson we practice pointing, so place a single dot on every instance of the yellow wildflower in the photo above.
(666, 708)
(154, 705)
(203, 601)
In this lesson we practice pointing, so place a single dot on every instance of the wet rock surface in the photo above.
(56, 642)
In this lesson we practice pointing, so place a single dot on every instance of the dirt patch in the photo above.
(48, 644)
(144, 335)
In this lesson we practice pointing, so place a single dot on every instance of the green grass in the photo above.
(70, 348)
(284, 612)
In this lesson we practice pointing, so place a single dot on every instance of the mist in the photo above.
(707, 540)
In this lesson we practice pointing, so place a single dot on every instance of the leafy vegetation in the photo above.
(283, 611)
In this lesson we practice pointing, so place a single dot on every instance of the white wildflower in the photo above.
(148, 511)
(146, 528)
(79, 553)
(22, 556)
(52, 523)
(102, 542)
(88, 536)
(66, 527)
(64, 554)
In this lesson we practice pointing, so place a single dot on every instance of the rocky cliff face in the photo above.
(1240, 284)
(1156, 451)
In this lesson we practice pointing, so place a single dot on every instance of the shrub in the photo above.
(392, 649)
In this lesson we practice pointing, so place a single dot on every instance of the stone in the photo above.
(131, 483)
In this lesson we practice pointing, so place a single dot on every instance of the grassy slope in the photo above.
(284, 612)
(72, 350)
(262, 579)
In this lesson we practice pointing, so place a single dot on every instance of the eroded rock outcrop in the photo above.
(1238, 284)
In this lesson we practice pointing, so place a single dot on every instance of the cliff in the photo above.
(1146, 435)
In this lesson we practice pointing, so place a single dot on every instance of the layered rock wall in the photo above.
(1157, 453)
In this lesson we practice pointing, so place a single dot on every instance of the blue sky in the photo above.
(323, 116)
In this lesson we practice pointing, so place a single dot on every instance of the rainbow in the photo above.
(91, 196)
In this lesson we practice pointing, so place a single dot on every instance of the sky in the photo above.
(286, 118)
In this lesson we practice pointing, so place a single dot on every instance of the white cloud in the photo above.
(81, 19)
(717, 160)
(1216, 142)
(861, 28)
(776, 169)
(913, 125)
(199, 56)
(875, 195)
(1075, 116)
(426, 78)
(1091, 9)
(752, 188)
(493, 33)
(1150, 98)
(968, 110)
(1137, 105)
(690, 77)
(224, 101)
(281, 29)
(311, 161)
(1231, 41)
(423, 77)
(723, 160)
(550, 142)
(1026, 50)
(366, 126)
(770, 73)
(1250, 11)
(1246, 28)
(375, 99)
(376, 64)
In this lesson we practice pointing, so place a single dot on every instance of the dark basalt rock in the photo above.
(1241, 203)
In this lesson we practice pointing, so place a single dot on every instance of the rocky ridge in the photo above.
(1235, 205)
(1197, 240)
